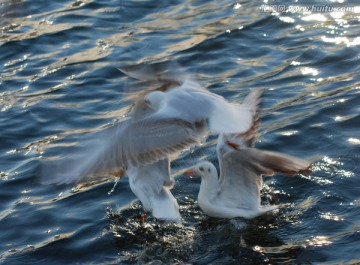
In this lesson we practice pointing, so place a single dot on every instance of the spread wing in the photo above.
(269, 162)
(150, 140)
(242, 172)
(138, 143)
(248, 138)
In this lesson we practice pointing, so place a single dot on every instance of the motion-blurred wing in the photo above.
(249, 137)
(164, 72)
(150, 140)
(137, 143)
(253, 100)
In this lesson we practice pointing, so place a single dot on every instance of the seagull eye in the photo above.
(209, 169)
(201, 168)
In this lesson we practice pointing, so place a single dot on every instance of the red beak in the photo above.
(190, 172)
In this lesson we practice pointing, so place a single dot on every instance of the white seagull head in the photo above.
(203, 169)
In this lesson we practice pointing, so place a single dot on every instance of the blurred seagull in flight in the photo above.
(161, 124)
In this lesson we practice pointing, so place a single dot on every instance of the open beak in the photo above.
(190, 172)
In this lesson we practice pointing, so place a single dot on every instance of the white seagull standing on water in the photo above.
(161, 124)
(237, 192)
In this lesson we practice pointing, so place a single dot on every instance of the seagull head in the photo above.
(203, 169)
(154, 100)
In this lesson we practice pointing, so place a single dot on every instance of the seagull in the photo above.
(181, 96)
(192, 102)
(139, 148)
(161, 124)
(152, 184)
(237, 192)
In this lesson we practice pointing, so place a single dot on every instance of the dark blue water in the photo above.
(59, 85)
